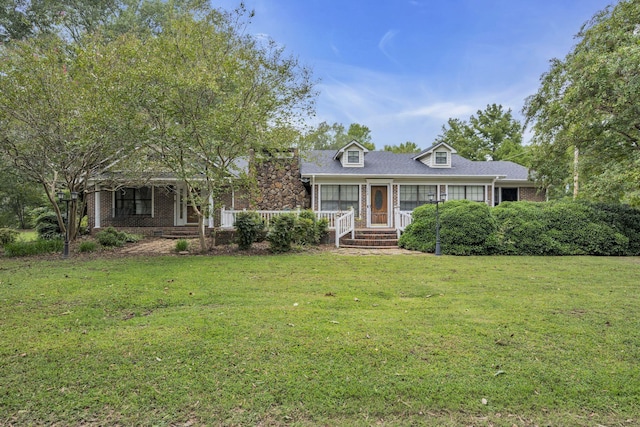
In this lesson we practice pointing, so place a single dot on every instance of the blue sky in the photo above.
(404, 67)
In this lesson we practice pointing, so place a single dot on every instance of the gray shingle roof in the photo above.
(387, 164)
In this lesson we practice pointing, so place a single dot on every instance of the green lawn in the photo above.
(27, 236)
(321, 339)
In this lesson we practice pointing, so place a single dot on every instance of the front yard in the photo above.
(320, 339)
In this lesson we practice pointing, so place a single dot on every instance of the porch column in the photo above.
(96, 196)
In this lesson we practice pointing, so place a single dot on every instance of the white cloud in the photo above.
(385, 43)
(399, 108)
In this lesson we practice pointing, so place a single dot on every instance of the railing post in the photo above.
(353, 223)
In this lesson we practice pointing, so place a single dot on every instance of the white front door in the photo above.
(180, 205)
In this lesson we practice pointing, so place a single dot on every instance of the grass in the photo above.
(28, 236)
(321, 339)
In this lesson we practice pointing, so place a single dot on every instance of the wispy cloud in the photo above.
(399, 108)
(385, 43)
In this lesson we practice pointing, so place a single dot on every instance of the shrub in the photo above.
(87, 246)
(522, 230)
(466, 228)
(110, 237)
(8, 235)
(420, 235)
(625, 220)
(47, 225)
(182, 245)
(281, 234)
(308, 230)
(37, 247)
(579, 230)
(250, 229)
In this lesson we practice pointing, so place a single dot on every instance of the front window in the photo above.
(339, 198)
(441, 158)
(353, 156)
(412, 196)
(467, 192)
(133, 201)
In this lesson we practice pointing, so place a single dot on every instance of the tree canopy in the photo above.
(188, 88)
(210, 96)
(492, 134)
(405, 147)
(335, 136)
(588, 101)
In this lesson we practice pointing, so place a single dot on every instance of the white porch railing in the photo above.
(228, 217)
(402, 219)
(345, 223)
(341, 222)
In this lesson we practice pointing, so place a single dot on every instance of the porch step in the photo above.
(178, 233)
(371, 238)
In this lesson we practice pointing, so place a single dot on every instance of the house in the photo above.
(161, 206)
(376, 185)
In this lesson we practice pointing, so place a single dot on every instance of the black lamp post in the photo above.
(432, 200)
(73, 198)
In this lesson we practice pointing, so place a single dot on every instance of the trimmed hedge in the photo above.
(466, 228)
(564, 227)
(522, 229)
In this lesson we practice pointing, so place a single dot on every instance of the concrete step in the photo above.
(370, 242)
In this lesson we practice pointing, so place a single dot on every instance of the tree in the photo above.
(210, 96)
(21, 19)
(60, 113)
(334, 137)
(588, 101)
(18, 196)
(72, 19)
(491, 135)
(405, 147)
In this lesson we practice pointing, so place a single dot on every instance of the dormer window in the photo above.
(437, 156)
(353, 156)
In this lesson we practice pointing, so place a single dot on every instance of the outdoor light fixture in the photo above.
(73, 198)
(433, 200)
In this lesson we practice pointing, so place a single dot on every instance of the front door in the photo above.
(185, 212)
(379, 208)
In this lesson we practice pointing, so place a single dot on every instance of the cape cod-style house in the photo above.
(356, 189)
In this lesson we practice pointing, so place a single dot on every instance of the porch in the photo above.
(342, 226)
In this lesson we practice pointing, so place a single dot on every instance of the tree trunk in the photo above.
(201, 231)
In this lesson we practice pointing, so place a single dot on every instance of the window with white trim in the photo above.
(353, 156)
(412, 196)
(339, 198)
(133, 201)
(442, 158)
(466, 192)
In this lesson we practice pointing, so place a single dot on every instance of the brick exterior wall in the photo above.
(532, 194)
(278, 187)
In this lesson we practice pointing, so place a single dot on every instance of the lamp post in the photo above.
(73, 198)
(432, 200)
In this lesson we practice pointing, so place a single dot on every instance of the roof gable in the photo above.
(437, 156)
(351, 155)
